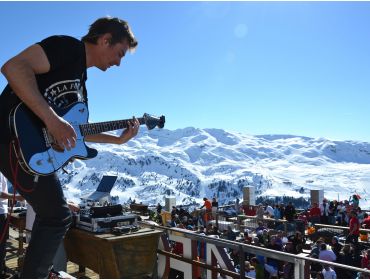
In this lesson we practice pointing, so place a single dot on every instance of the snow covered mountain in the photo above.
(192, 163)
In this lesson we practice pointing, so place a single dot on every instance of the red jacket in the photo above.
(366, 222)
(315, 211)
(354, 224)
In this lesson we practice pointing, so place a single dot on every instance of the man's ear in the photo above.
(106, 39)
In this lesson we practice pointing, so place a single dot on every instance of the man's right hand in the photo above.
(63, 133)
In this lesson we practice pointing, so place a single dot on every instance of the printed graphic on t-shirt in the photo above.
(64, 93)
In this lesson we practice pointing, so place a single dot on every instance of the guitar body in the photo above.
(34, 148)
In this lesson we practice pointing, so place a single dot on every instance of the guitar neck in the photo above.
(96, 128)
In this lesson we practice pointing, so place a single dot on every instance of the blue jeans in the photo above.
(53, 216)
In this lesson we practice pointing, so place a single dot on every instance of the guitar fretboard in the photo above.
(96, 128)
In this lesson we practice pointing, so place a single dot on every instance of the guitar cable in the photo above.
(14, 170)
(16, 185)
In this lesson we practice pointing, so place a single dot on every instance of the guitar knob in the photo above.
(39, 162)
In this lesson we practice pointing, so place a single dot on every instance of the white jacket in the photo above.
(326, 209)
(3, 201)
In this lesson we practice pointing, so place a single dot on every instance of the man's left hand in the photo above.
(130, 132)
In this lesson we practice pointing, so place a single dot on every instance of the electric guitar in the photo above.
(35, 148)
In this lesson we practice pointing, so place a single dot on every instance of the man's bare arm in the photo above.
(20, 72)
(125, 136)
(6, 195)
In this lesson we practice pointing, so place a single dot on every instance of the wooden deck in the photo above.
(91, 255)
(12, 260)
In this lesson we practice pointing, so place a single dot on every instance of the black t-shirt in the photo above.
(63, 85)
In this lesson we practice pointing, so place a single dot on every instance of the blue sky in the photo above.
(300, 68)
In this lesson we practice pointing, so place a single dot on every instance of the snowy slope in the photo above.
(191, 163)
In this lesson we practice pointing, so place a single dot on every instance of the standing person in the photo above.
(331, 213)
(208, 205)
(340, 213)
(269, 210)
(290, 212)
(277, 212)
(282, 210)
(360, 215)
(355, 200)
(52, 74)
(214, 207)
(260, 211)
(315, 213)
(354, 229)
(159, 209)
(237, 206)
(4, 196)
(324, 209)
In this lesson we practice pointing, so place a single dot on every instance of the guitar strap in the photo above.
(84, 91)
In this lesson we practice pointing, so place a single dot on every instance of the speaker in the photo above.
(317, 196)
(104, 211)
(170, 201)
(249, 196)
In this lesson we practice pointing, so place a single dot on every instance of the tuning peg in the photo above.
(162, 120)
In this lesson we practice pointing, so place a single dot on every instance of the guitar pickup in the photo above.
(46, 137)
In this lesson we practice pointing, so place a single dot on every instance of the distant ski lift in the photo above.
(309, 181)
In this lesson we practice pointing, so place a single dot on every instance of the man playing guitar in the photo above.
(52, 74)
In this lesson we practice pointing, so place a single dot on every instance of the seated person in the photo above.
(249, 270)
(328, 272)
(298, 241)
(326, 255)
(366, 222)
(260, 227)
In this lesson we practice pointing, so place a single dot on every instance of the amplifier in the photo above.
(102, 211)
(105, 224)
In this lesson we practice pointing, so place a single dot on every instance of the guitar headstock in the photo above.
(153, 121)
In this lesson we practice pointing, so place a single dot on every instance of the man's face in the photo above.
(111, 55)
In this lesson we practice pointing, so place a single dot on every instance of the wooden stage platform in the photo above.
(93, 256)
(12, 260)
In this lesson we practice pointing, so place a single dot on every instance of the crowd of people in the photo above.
(337, 212)
(339, 249)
